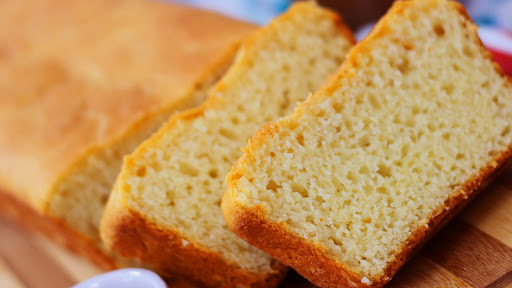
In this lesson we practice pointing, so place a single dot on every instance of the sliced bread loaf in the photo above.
(412, 126)
(83, 83)
(165, 206)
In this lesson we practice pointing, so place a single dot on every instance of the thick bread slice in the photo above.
(165, 206)
(83, 83)
(413, 125)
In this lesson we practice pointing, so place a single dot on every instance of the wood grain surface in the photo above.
(474, 250)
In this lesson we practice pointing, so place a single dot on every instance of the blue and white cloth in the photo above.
(490, 13)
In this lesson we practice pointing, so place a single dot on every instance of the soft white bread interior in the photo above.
(171, 186)
(346, 188)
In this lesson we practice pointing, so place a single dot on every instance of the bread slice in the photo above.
(83, 83)
(165, 206)
(415, 123)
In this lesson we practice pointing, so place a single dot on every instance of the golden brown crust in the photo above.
(171, 255)
(22, 213)
(308, 259)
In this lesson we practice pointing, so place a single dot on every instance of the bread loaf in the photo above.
(164, 208)
(415, 123)
(83, 83)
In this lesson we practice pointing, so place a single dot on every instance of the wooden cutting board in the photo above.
(474, 250)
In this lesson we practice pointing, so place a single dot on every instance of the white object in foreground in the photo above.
(124, 278)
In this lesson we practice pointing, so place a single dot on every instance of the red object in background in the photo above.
(504, 59)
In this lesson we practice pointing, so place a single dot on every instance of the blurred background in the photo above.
(357, 14)
(494, 17)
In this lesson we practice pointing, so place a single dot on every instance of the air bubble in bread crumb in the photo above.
(184, 242)
(365, 280)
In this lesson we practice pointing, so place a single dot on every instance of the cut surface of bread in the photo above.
(165, 206)
(83, 83)
(416, 122)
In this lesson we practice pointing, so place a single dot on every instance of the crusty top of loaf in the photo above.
(77, 74)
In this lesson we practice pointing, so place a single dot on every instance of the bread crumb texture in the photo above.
(177, 179)
(415, 113)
